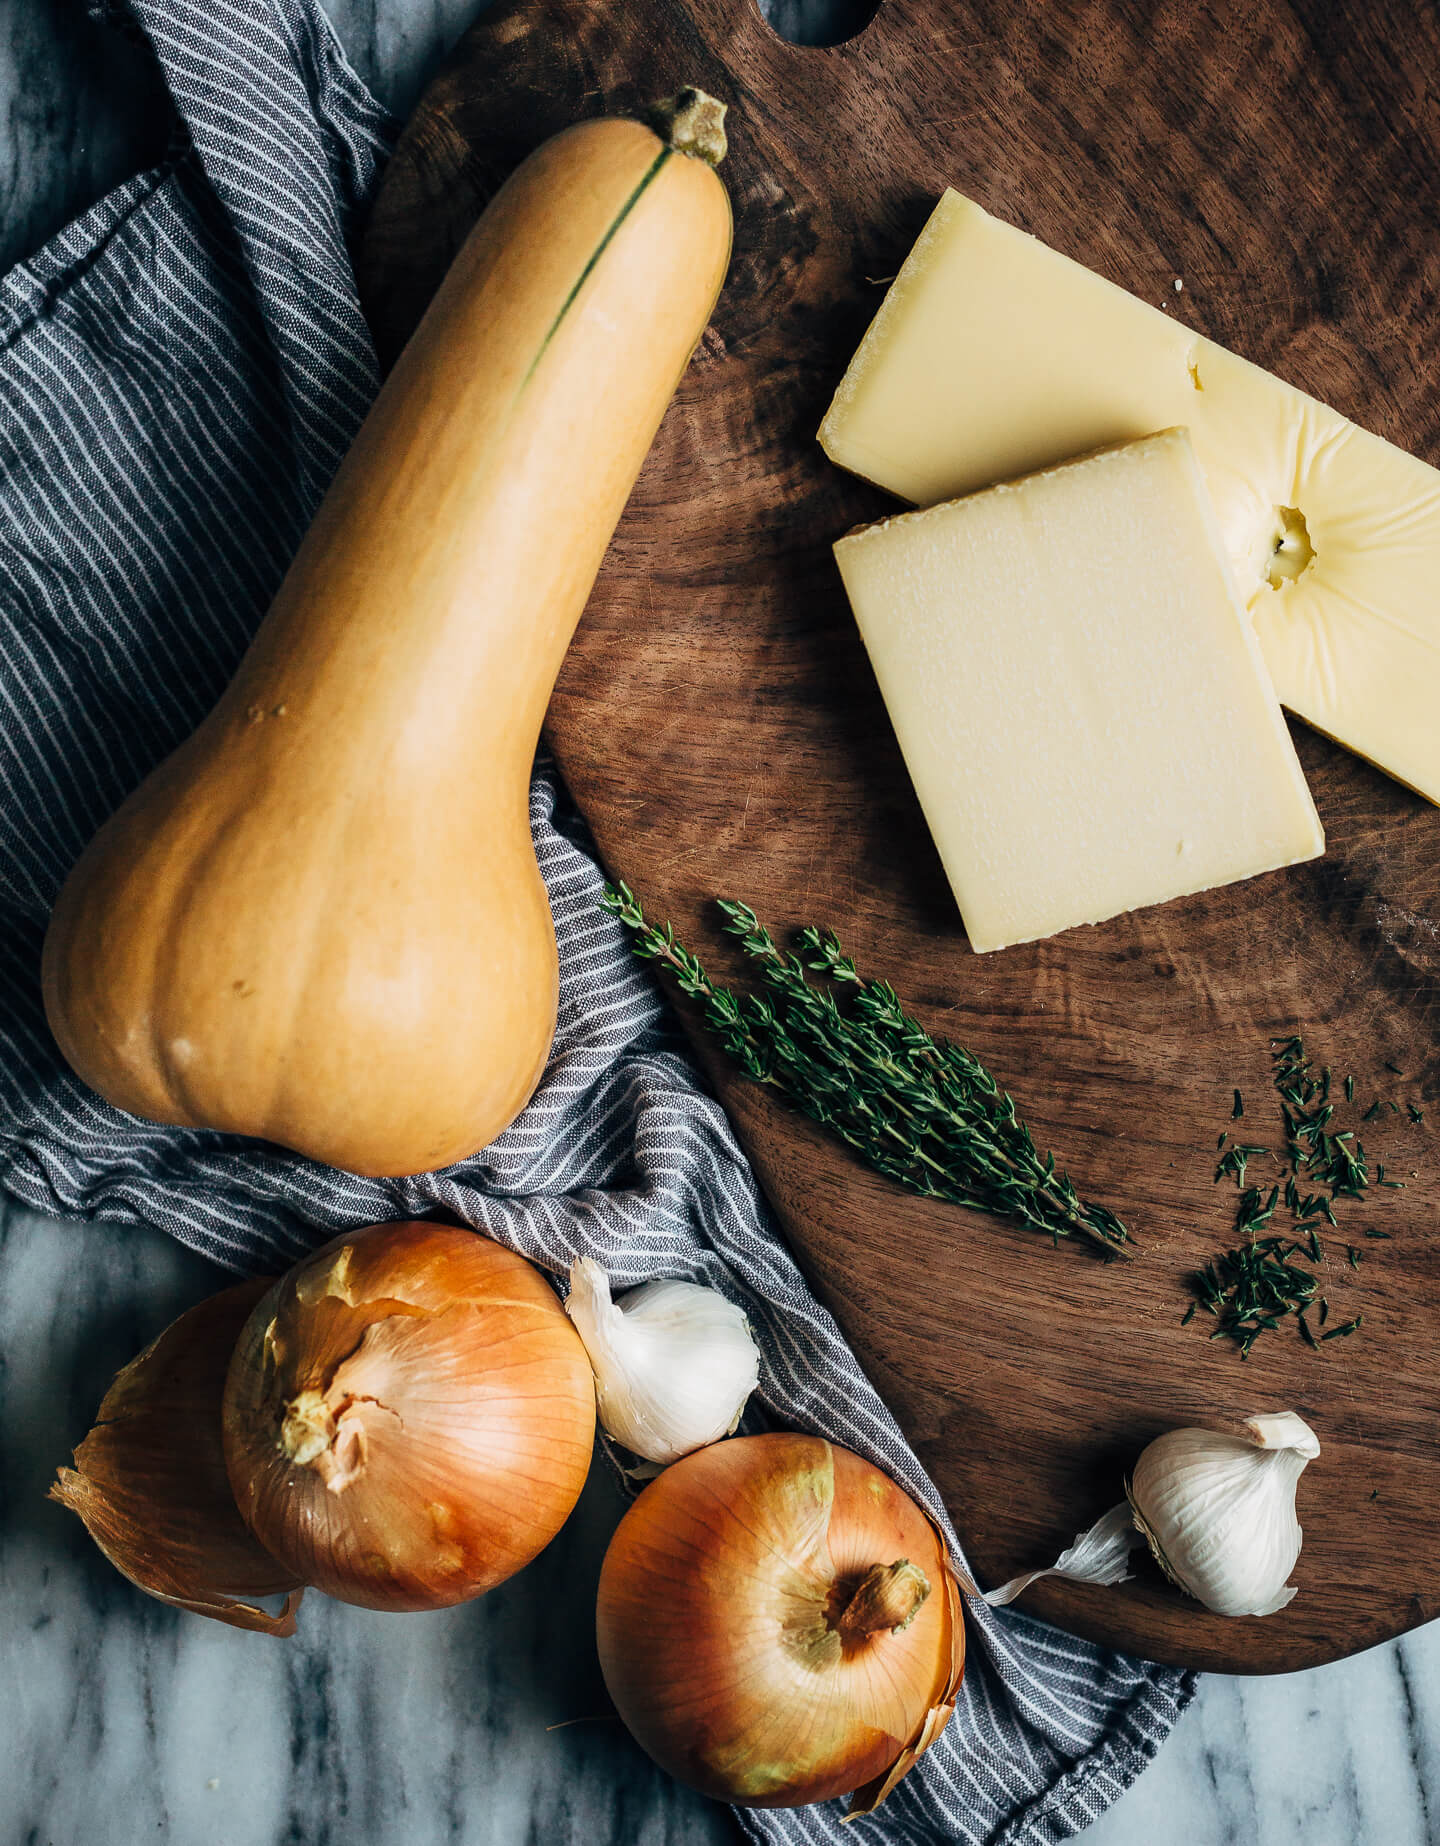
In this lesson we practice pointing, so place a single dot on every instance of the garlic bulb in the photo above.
(1217, 1510)
(674, 1362)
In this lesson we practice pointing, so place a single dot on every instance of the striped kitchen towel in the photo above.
(180, 372)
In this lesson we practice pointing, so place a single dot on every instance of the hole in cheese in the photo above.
(1291, 553)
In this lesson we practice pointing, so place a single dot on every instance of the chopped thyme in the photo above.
(1249, 1290)
(1250, 1214)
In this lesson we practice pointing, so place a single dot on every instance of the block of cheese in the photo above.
(993, 355)
(1080, 700)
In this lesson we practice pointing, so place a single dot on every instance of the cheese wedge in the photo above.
(1079, 698)
(993, 355)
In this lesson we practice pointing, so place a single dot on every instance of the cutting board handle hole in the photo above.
(817, 22)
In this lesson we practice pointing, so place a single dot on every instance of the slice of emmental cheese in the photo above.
(1079, 697)
(993, 355)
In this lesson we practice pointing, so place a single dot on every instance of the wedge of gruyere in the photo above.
(993, 355)
(1079, 698)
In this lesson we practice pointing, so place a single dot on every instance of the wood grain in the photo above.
(720, 726)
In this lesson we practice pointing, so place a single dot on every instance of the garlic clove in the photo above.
(674, 1362)
(149, 1480)
(1218, 1510)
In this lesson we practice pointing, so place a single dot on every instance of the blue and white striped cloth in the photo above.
(180, 372)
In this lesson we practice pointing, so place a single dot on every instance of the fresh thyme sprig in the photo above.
(921, 1110)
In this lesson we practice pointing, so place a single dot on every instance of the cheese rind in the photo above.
(993, 355)
(1080, 701)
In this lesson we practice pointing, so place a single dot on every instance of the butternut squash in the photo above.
(320, 921)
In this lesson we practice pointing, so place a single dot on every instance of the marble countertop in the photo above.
(376, 1730)
(124, 1721)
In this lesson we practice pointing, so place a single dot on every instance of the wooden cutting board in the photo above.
(719, 724)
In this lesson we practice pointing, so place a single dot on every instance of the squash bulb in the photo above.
(320, 921)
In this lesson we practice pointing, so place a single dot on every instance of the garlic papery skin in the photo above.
(1218, 1510)
(1100, 1555)
(674, 1362)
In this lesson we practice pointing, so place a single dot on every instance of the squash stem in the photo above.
(692, 123)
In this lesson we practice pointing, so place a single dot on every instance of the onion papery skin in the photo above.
(716, 1619)
(149, 1480)
(452, 1409)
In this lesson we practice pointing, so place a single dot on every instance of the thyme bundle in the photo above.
(923, 1111)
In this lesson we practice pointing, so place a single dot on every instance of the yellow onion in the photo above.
(779, 1623)
(149, 1480)
(408, 1416)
